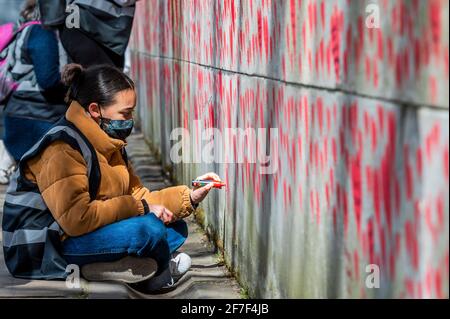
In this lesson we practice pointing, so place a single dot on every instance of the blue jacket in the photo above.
(38, 59)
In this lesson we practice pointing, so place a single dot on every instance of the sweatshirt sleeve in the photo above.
(64, 185)
(44, 53)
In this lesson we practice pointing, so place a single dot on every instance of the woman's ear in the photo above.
(94, 110)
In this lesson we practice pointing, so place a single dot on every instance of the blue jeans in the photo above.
(141, 236)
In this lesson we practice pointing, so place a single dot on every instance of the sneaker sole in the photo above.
(142, 293)
(137, 291)
(128, 270)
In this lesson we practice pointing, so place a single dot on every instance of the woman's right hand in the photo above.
(199, 193)
(162, 213)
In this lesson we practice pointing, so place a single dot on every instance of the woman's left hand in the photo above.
(198, 194)
(162, 213)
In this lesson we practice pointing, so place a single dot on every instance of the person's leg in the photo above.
(177, 234)
(165, 279)
(142, 236)
(90, 52)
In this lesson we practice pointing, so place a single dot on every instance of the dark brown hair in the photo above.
(96, 84)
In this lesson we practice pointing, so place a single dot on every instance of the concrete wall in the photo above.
(361, 154)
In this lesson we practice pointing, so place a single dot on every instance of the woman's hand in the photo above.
(198, 194)
(162, 213)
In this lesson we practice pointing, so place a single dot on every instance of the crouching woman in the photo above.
(75, 198)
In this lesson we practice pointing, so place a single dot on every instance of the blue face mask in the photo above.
(119, 129)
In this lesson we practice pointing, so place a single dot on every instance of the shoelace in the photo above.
(173, 264)
(169, 284)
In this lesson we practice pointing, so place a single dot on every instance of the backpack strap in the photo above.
(68, 132)
(27, 24)
(14, 33)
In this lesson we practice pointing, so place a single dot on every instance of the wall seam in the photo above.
(397, 102)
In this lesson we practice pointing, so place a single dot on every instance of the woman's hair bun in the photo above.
(71, 73)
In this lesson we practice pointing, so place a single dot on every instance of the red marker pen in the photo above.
(198, 183)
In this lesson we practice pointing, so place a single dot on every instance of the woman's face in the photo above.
(122, 109)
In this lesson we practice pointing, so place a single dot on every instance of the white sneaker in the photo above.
(166, 281)
(7, 164)
(179, 265)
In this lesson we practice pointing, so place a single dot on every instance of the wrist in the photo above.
(146, 206)
(193, 204)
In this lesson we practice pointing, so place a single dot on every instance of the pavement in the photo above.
(208, 278)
